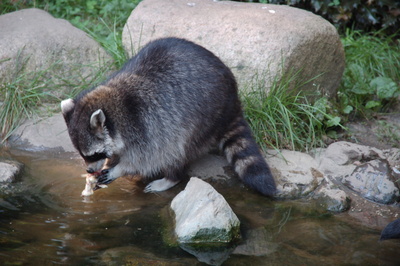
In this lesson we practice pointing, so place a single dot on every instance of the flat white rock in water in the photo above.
(202, 215)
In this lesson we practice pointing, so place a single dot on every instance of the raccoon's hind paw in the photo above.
(160, 185)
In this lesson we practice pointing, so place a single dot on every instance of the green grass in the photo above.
(371, 81)
(283, 118)
(370, 84)
(21, 93)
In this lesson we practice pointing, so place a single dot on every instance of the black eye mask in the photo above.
(95, 157)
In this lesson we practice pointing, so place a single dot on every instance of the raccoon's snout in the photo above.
(90, 170)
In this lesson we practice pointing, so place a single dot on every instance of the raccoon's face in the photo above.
(88, 134)
(92, 148)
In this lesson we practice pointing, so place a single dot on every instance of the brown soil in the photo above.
(382, 132)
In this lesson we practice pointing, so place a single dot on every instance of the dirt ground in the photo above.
(382, 131)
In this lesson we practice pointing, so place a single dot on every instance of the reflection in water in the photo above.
(44, 220)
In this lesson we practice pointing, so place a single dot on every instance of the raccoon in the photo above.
(391, 231)
(168, 105)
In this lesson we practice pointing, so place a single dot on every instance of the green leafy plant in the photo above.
(371, 80)
(103, 20)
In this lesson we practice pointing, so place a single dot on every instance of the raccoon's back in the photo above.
(175, 66)
(180, 85)
(177, 58)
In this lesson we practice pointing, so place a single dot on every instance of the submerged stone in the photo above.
(203, 216)
(258, 243)
(131, 255)
(332, 198)
(211, 255)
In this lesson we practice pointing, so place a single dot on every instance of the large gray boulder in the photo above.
(257, 41)
(31, 40)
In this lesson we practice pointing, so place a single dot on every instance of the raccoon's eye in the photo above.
(95, 157)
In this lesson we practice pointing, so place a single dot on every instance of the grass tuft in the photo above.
(21, 94)
(284, 118)
(112, 43)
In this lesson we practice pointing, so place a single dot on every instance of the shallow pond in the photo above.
(45, 221)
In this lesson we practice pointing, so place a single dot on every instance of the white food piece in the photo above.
(91, 181)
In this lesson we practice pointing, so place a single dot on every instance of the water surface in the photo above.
(45, 221)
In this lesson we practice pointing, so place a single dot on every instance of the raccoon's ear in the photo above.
(97, 120)
(67, 105)
(66, 108)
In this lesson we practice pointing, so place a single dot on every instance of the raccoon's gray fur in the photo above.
(169, 104)
(391, 231)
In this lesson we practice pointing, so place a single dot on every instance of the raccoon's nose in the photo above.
(90, 170)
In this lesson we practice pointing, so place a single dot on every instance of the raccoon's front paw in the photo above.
(160, 185)
(105, 178)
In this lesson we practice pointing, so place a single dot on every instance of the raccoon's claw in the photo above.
(104, 171)
(98, 186)
(104, 179)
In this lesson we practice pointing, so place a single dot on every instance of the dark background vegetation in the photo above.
(365, 15)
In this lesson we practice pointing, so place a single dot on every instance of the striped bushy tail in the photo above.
(243, 153)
